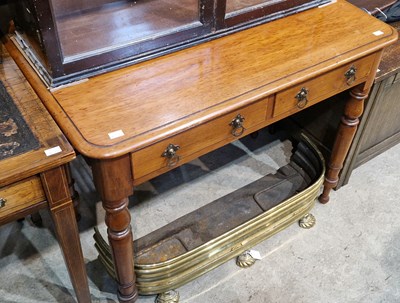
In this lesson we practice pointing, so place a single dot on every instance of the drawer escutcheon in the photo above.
(351, 75)
(171, 155)
(302, 98)
(2, 202)
(237, 126)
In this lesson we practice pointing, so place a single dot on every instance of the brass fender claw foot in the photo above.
(170, 296)
(245, 260)
(307, 221)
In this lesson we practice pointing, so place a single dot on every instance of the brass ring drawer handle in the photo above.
(301, 97)
(2, 202)
(350, 75)
(171, 155)
(237, 126)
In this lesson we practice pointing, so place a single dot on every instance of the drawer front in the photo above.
(293, 99)
(193, 141)
(20, 195)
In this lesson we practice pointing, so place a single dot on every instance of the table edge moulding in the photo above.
(39, 177)
(119, 119)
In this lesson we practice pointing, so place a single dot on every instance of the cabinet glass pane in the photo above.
(88, 27)
(237, 6)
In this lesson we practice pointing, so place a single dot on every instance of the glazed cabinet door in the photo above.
(77, 35)
(237, 12)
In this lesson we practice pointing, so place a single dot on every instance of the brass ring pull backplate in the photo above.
(237, 126)
(350, 75)
(2, 202)
(302, 98)
(171, 155)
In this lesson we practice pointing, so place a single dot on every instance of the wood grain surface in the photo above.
(165, 96)
(42, 125)
(39, 178)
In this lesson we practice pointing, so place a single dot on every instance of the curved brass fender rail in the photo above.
(163, 276)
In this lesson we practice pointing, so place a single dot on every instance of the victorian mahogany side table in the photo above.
(140, 121)
(34, 174)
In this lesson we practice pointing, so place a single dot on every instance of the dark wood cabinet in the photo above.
(69, 40)
(379, 128)
(373, 6)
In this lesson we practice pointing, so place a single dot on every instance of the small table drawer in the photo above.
(20, 196)
(317, 89)
(195, 141)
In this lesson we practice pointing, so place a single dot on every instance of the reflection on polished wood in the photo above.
(122, 22)
(236, 5)
(180, 94)
(82, 38)
(32, 180)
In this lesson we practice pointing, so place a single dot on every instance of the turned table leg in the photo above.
(348, 125)
(56, 186)
(113, 180)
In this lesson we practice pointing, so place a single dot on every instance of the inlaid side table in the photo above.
(34, 174)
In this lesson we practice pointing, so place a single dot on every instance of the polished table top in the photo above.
(149, 101)
(39, 177)
(53, 149)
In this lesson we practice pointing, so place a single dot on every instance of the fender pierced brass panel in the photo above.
(196, 243)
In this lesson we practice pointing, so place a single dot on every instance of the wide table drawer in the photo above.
(320, 88)
(194, 142)
(20, 196)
